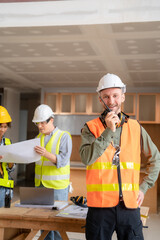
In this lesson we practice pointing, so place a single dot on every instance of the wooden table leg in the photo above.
(31, 235)
(43, 235)
(64, 235)
(1, 233)
(21, 236)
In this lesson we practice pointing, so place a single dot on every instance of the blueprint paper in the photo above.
(73, 211)
(21, 152)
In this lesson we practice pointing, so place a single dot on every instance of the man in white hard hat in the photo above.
(53, 170)
(111, 148)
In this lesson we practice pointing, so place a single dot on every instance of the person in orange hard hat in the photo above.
(6, 182)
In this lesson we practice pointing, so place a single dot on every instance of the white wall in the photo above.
(12, 103)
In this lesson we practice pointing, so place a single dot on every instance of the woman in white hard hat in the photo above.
(53, 170)
(111, 149)
(6, 182)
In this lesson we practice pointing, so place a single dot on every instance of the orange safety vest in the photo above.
(102, 178)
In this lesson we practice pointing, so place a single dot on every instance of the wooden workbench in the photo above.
(18, 223)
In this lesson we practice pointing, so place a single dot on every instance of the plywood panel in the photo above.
(76, 141)
(150, 199)
(78, 179)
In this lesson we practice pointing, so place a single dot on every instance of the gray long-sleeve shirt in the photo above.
(92, 148)
(65, 148)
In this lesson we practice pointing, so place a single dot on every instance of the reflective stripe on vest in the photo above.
(5, 182)
(46, 172)
(101, 177)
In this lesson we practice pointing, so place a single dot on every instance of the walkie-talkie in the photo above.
(121, 115)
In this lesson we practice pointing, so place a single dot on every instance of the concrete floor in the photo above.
(152, 232)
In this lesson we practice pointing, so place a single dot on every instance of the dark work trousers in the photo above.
(102, 222)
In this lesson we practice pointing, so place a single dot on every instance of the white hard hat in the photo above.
(111, 81)
(42, 113)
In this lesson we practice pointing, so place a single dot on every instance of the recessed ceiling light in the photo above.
(138, 68)
(136, 60)
(79, 49)
(15, 55)
(27, 63)
(95, 69)
(24, 45)
(35, 32)
(30, 50)
(71, 65)
(132, 47)
(19, 69)
(7, 50)
(30, 66)
(88, 62)
(13, 66)
(49, 44)
(60, 54)
(62, 30)
(37, 54)
(54, 49)
(135, 64)
(129, 28)
(8, 32)
(131, 41)
(134, 52)
(83, 54)
(76, 43)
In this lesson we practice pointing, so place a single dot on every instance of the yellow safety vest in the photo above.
(46, 172)
(5, 182)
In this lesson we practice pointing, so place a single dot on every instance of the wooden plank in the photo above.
(43, 235)
(31, 235)
(20, 237)
(64, 235)
(14, 212)
(1, 233)
(63, 224)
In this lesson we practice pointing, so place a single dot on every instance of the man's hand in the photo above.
(40, 150)
(140, 198)
(43, 152)
(111, 120)
(1, 157)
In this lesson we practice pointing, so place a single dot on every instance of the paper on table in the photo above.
(21, 152)
(73, 211)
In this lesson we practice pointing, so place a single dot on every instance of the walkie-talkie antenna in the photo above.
(108, 109)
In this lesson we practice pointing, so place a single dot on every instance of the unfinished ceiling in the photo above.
(32, 58)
